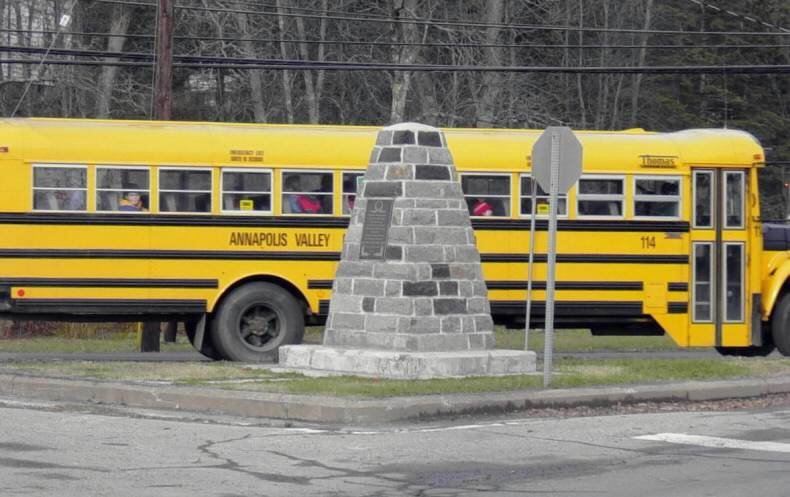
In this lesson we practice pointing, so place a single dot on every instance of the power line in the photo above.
(146, 60)
(73, 33)
(417, 44)
(464, 24)
(751, 19)
(301, 9)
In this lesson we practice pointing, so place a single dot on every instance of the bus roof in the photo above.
(200, 143)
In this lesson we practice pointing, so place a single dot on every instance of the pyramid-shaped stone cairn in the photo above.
(409, 299)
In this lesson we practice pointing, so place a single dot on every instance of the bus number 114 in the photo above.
(648, 242)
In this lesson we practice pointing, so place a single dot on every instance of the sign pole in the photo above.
(527, 319)
(556, 165)
(552, 257)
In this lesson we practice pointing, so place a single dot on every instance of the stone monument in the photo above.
(409, 299)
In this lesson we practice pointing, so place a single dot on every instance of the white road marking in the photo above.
(716, 442)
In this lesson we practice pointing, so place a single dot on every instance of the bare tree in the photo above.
(286, 74)
(254, 75)
(313, 88)
(406, 54)
(486, 109)
(121, 16)
(641, 63)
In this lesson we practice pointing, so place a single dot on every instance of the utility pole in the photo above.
(148, 333)
(163, 82)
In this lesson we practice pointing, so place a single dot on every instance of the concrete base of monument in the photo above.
(406, 365)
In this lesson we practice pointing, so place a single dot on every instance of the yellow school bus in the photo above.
(208, 224)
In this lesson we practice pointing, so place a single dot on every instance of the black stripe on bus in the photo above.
(174, 220)
(108, 306)
(109, 219)
(323, 307)
(109, 283)
(591, 258)
(678, 287)
(677, 308)
(167, 254)
(522, 285)
(583, 225)
(566, 285)
(310, 256)
(605, 308)
(565, 308)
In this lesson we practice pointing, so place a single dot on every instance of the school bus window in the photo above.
(702, 271)
(703, 199)
(60, 188)
(487, 195)
(350, 181)
(185, 190)
(122, 189)
(733, 199)
(307, 192)
(246, 191)
(657, 197)
(600, 197)
(541, 199)
(733, 276)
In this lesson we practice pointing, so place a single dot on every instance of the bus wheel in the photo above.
(254, 320)
(761, 351)
(208, 348)
(780, 325)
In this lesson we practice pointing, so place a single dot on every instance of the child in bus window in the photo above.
(301, 203)
(482, 208)
(131, 202)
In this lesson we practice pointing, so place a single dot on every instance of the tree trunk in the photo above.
(289, 106)
(616, 103)
(603, 79)
(401, 80)
(487, 103)
(121, 16)
(579, 85)
(256, 82)
(642, 57)
(313, 88)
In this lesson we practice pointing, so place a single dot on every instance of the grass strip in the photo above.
(565, 341)
(571, 373)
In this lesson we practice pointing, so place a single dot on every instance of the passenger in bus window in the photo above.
(132, 202)
(482, 208)
(301, 203)
(70, 200)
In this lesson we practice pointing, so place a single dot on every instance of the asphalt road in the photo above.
(55, 450)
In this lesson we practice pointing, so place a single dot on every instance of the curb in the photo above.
(321, 409)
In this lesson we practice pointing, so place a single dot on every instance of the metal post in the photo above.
(552, 257)
(527, 320)
(164, 62)
(148, 336)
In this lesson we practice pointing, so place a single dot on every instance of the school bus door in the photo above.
(719, 311)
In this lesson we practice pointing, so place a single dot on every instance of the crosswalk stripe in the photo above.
(716, 442)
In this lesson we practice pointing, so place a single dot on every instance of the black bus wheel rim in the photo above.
(259, 326)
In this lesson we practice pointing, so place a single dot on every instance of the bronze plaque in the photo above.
(375, 228)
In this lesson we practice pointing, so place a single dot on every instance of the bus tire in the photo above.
(759, 351)
(254, 320)
(780, 324)
(207, 349)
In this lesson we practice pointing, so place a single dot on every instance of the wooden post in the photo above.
(164, 62)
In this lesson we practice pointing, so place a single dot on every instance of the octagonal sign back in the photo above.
(569, 156)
